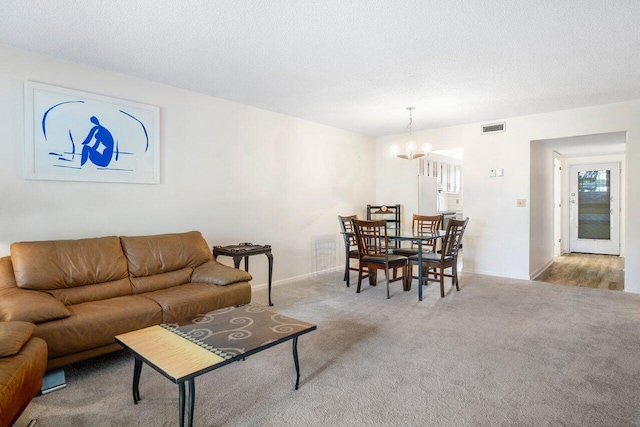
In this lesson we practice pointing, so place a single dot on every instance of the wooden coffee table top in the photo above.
(191, 347)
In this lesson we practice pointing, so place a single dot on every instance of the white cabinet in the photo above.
(448, 176)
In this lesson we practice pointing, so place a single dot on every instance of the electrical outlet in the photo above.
(521, 203)
(492, 173)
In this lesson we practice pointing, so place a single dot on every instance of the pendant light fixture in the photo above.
(411, 146)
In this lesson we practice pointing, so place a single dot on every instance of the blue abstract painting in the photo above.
(78, 136)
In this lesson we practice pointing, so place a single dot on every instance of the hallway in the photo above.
(587, 270)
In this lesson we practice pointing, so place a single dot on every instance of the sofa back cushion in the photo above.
(7, 280)
(164, 260)
(65, 267)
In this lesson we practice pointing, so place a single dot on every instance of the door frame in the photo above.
(558, 243)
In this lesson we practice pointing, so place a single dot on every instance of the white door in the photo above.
(594, 208)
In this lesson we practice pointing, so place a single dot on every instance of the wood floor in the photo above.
(587, 270)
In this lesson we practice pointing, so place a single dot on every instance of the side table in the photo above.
(245, 250)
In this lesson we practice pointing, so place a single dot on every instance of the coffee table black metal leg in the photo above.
(192, 399)
(181, 404)
(295, 360)
(270, 257)
(137, 369)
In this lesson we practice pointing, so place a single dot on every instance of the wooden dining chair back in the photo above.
(437, 262)
(422, 224)
(350, 243)
(373, 248)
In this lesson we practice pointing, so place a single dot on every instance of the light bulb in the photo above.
(427, 147)
(394, 149)
(411, 147)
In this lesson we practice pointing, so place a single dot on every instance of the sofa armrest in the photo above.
(30, 306)
(219, 274)
(13, 335)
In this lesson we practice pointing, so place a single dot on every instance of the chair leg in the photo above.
(455, 275)
(407, 277)
(346, 271)
(386, 275)
(441, 282)
(359, 279)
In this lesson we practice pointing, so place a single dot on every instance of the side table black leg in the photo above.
(236, 261)
(246, 264)
(192, 399)
(270, 257)
(295, 360)
(137, 369)
(181, 404)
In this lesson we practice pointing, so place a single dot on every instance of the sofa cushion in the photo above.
(30, 306)
(161, 281)
(13, 335)
(96, 292)
(163, 253)
(94, 324)
(21, 379)
(7, 280)
(191, 299)
(60, 264)
(219, 274)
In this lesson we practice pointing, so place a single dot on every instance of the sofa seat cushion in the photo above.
(154, 282)
(13, 335)
(191, 299)
(219, 274)
(94, 324)
(21, 379)
(30, 306)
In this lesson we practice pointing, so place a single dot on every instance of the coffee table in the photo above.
(186, 349)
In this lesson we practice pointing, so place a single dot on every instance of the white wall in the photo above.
(234, 172)
(541, 209)
(497, 241)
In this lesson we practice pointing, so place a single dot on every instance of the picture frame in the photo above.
(71, 135)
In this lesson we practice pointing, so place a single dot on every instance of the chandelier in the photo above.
(411, 146)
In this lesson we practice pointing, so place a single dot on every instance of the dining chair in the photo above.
(437, 262)
(350, 244)
(373, 248)
(422, 224)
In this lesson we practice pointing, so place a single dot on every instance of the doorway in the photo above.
(577, 237)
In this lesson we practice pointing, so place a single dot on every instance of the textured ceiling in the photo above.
(354, 64)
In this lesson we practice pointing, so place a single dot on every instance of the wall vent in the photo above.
(494, 128)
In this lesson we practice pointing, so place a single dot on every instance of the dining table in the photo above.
(408, 235)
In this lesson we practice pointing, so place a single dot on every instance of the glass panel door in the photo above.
(594, 204)
(595, 208)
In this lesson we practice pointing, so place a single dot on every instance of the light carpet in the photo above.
(499, 352)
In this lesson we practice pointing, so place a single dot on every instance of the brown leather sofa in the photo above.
(23, 360)
(81, 293)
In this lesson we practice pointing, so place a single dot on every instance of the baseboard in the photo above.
(295, 278)
(540, 270)
(495, 274)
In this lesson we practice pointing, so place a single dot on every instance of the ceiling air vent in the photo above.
(494, 128)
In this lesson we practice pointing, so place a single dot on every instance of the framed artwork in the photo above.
(78, 136)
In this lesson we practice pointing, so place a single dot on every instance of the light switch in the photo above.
(500, 172)
(492, 173)
(521, 203)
